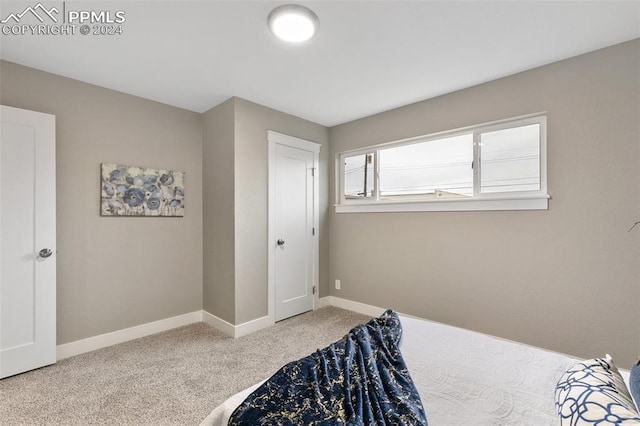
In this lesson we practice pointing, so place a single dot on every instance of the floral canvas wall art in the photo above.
(137, 191)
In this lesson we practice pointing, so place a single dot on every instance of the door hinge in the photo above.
(314, 289)
(313, 231)
(313, 171)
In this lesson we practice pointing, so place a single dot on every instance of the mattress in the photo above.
(467, 378)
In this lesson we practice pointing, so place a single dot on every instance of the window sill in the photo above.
(486, 203)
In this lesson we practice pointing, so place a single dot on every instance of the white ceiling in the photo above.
(369, 56)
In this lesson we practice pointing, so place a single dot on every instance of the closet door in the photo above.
(27, 241)
(293, 215)
(294, 228)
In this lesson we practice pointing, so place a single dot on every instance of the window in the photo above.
(494, 166)
(436, 168)
(359, 176)
(510, 159)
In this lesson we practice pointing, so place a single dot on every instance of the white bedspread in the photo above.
(467, 378)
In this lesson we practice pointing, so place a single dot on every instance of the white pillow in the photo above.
(593, 392)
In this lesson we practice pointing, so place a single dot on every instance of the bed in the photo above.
(465, 377)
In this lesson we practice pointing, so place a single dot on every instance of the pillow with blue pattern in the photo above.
(634, 383)
(593, 392)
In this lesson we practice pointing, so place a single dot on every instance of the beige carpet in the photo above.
(172, 378)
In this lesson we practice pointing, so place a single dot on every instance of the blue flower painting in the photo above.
(136, 191)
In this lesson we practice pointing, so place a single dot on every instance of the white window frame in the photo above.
(522, 200)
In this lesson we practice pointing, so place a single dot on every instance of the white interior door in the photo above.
(27, 241)
(294, 244)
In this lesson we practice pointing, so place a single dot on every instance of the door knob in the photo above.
(45, 252)
(280, 242)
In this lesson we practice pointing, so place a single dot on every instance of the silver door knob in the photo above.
(280, 242)
(45, 252)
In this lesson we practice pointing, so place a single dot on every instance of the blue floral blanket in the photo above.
(360, 380)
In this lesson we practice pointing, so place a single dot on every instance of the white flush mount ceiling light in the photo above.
(293, 23)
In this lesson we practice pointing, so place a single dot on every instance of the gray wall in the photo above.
(219, 211)
(251, 196)
(566, 279)
(116, 272)
(235, 165)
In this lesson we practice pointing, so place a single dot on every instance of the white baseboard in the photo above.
(237, 330)
(324, 301)
(120, 336)
(218, 323)
(108, 339)
(266, 321)
(253, 326)
(358, 307)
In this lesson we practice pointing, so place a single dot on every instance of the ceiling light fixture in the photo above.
(293, 23)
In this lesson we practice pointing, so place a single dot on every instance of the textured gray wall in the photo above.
(116, 272)
(251, 201)
(566, 279)
(218, 170)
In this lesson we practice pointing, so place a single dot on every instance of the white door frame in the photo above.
(274, 139)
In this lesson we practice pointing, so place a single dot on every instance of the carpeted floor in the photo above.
(172, 378)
